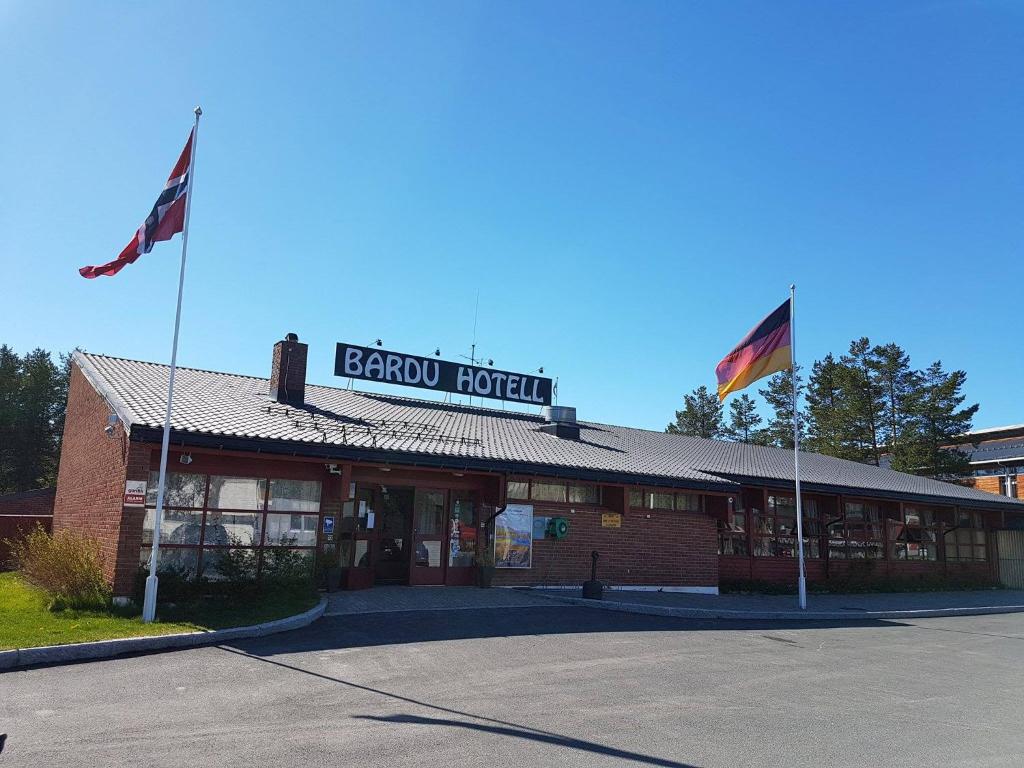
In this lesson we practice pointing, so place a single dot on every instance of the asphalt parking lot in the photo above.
(540, 686)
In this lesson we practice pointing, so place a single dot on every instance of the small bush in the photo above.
(68, 565)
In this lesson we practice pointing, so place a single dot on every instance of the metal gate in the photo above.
(1011, 558)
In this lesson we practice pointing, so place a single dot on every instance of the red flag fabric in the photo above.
(165, 220)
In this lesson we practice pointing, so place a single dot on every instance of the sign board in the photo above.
(611, 520)
(328, 525)
(372, 364)
(135, 493)
(540, 527)
(513, 537)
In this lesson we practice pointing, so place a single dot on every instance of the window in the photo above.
(216, 526)
(966, 542)
(916, 536)
(236, 493)
(732, 532)
(518, 489)
(559, 493)
(687, 502)
(775, 529)
(855, 532)
(584, 494)
(294, 496)
(548, 492)
(664, 499)
(180, 490)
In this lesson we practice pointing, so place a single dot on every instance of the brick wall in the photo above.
(650, 548)
(90, 482)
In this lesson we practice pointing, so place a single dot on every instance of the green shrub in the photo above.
(68, 565)
(286, 568)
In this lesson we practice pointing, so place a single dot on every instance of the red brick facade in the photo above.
(90, 486)
(651, 548)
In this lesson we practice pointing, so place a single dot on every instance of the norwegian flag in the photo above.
(165, 220)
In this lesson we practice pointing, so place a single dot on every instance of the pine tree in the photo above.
(743, 420)
(939, 422)
(862, 403)
(10, 377)
(779, 396)
(826, 427)
(701, 415)
(33, 397)
(900, 386)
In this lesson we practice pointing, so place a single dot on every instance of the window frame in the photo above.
(257, 546)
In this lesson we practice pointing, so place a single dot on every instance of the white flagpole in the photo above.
(801, 579)
(149, 603)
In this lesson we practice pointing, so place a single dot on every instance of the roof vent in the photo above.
(560, 421)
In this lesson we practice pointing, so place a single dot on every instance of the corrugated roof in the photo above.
(234, 407)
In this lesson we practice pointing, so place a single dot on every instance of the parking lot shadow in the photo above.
(400, 627)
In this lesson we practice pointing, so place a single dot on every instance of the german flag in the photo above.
(763, 351)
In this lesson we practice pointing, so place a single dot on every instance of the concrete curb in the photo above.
(720, 613)
(105, 649)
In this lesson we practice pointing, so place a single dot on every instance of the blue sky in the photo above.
(629, 185)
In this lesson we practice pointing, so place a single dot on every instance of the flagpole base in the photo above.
(802, 590)
(149, 602)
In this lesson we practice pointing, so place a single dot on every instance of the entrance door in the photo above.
(428, 538)
(393, 545)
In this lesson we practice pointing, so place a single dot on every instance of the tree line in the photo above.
(864, 405)
(33, 397)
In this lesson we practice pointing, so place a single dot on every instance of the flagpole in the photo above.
(801, 579)
(149, 603)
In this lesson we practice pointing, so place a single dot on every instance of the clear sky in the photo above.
(630, 186)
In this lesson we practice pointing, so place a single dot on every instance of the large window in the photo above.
(554, 491)
(664, 499)
(216, 525)
(732, 531)
(916, 536)
(966, 542)
(775, 528)
(855, 532)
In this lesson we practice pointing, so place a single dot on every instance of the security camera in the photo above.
(185, 458)
(112, 421)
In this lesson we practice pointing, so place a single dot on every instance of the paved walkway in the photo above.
(390, 599)
(782, 607)
(874, 606)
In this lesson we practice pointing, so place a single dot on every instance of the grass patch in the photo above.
(27, 622)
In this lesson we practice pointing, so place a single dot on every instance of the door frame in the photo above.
(429, 575)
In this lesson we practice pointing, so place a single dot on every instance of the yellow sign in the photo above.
(611, 520)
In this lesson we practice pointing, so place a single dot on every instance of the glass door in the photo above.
(393, 545)
(428, 539)
(462, 540)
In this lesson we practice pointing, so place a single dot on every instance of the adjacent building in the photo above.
(392, 489)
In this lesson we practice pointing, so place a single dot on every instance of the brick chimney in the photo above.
(288, 371)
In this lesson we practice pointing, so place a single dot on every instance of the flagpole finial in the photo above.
(792, 286)
(198, 111)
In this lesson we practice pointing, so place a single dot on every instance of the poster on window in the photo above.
(513, 537)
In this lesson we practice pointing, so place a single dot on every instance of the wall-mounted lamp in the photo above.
(112, 421)
(185, 458)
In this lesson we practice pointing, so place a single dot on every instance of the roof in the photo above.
(230, 411)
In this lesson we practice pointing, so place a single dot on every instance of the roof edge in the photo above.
(99, 383)
(326, 451)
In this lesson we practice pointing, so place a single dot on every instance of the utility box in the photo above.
(558, 528)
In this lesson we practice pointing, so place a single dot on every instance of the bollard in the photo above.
(592, 589)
